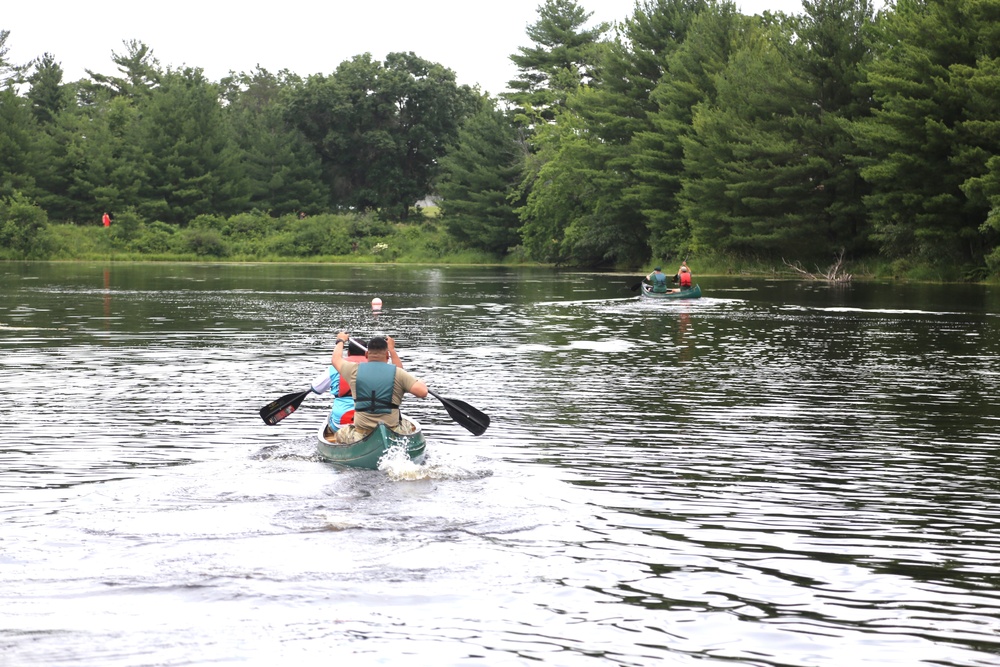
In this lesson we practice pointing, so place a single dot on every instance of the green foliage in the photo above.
(764, 168)
(285, 174)
(9, 72)
(140, 75)
(326, 237)
(416, 242)
(993, 262)
(690, 78)
(478, 173)
(126, 226)
(23, 229)
(693, 128)
(208, 222)
(18, 141)
(934, 129)
(155, 238)
(100, 155)
(200, 242)
(563, 56)
(380, 128)
(367, 224)
(581, 206)
(193, 162)
(252, 225)
(47, 94)
(313, 236)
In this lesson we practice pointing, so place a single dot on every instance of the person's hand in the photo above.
(391, 342)
(343, 337)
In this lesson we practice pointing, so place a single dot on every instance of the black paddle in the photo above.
(637, 285)
(473, 420)
(278, 409)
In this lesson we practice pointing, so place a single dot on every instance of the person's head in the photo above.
(356, 347)
(378, 348)
(684, 269)
(657, 269)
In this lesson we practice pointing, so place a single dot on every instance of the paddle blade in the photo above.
(278, 409)
(474, 421)
(636, 285)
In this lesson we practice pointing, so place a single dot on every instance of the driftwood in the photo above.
(834, 274)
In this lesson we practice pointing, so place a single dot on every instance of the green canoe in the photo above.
(693, 293)
(367, 452)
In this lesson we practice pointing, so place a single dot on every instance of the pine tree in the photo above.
(563, 56)
(477, 175)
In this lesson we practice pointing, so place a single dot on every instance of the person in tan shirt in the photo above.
(378, 387)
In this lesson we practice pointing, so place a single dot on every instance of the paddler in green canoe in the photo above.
(658, 279)
(378, 387)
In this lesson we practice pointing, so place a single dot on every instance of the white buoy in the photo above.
(376, 305)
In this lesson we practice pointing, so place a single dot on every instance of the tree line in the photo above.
(687, 128)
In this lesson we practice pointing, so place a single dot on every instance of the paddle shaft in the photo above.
(677, 276)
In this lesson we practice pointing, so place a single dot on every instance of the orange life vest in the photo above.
(344, 389)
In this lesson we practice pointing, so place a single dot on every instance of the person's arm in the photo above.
(419, 389)
(393, 357)
(322, 383)
(338, 350)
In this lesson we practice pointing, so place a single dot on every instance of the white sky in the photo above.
(474, 38)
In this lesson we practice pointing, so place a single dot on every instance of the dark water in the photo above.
(777, 474)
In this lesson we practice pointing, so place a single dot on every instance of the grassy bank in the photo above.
(365, 239)
(254, 237)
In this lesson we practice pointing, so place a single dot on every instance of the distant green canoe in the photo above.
(367, 452)
(693, 293)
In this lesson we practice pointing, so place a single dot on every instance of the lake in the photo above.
(780, 473)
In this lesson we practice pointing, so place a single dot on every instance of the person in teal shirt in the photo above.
(658, 279)
(342, 407)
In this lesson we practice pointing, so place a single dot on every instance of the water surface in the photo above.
(777, 474)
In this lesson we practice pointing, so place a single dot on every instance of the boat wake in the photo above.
(398, 466)
(290, 451)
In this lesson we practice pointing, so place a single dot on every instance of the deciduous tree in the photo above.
(380, 128)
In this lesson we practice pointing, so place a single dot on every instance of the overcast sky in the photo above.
(474, 38)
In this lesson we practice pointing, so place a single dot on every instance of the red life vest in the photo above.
(344, 389)
(685, 279)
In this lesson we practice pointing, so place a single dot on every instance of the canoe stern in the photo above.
(367, 452)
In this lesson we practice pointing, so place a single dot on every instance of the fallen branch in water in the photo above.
(834, 274)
